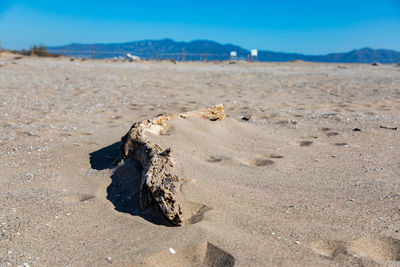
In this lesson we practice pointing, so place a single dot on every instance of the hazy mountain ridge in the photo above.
(197, 49)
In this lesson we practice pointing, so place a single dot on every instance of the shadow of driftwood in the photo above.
(104, 158)
(124, 189)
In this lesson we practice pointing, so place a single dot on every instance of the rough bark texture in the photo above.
(158, 184)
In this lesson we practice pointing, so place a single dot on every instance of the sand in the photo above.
(299, 173)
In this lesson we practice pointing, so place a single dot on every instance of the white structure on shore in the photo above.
(132, 57)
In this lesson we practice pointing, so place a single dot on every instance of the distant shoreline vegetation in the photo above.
(36, 50)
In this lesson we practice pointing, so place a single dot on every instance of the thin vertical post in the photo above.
(92, 52)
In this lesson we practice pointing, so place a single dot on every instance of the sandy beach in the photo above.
(304, 170)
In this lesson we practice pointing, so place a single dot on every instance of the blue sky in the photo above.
(312, 27)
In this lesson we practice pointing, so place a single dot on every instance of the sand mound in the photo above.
(377, 249)
(204, 254)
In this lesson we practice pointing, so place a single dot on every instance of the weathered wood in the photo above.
(158, 184)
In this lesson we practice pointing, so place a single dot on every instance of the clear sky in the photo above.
(312, 27)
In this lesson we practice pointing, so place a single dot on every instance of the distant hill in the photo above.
(199, 49)
(154, 49)
(365, 55)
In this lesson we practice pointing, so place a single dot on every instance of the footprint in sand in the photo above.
(262, 162)
(325, 129)
(204, 254)
(197, 212)
(78, 198)
(298, 116)
(258, 162)
(376, 249)
(341, 144)
(329, 134)
(330, 249)
(305, 143)
(214, 159)
(24, 133)
(275, 156)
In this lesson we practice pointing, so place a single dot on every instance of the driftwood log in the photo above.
(159, 185)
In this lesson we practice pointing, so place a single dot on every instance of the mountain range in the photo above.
(210, 50)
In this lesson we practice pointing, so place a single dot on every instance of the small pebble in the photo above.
(108, 258)
(172, 250)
